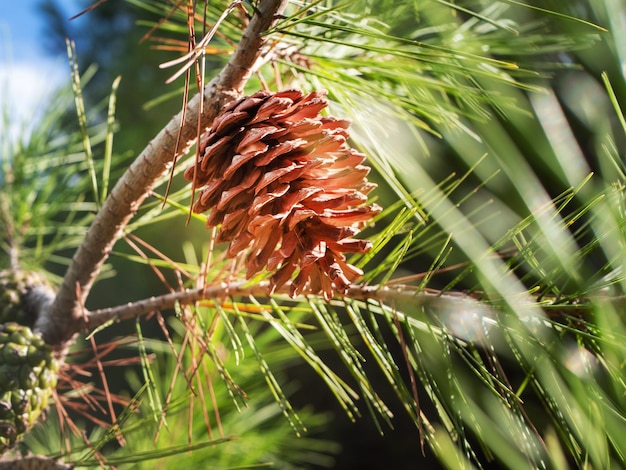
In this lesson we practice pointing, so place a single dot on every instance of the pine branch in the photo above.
(66, 314)
(388, 295)
(383, 294)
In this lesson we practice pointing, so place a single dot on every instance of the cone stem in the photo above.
(66, 314)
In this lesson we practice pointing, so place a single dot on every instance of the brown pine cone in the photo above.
(285, 185)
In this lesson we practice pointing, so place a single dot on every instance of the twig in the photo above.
(383, 294)
(98, 318)
(65, 316)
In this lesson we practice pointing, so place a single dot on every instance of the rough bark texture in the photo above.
(66, 315)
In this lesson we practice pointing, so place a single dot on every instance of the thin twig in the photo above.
(225, 290)
(418, 298)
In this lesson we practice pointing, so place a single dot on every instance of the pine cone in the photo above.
(28, 374)
(21, 293)
(285, 185)
(28, 367)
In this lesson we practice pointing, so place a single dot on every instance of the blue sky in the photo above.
(20, 25)
(27, 72)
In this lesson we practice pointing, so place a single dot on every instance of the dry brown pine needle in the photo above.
(284, 184)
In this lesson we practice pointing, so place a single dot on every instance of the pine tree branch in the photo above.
(66, 314)
(387, 295)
